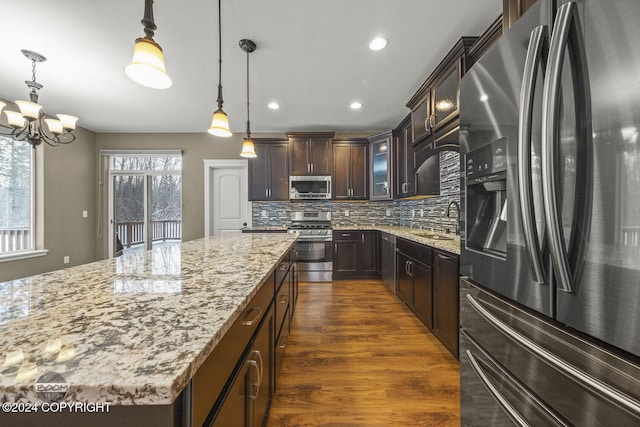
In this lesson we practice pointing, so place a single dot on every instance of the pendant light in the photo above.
(147, 66)
(220, 121)
(248, 149)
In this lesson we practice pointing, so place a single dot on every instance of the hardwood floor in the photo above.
(358, 357)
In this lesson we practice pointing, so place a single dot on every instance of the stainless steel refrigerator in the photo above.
(550, 149)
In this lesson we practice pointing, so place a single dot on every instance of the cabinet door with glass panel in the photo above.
(381, 166)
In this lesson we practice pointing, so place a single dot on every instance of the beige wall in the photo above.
(69, 189)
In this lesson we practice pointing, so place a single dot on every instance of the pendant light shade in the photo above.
(147, 66)
(220, 124)
(220, 120)
(248, 149)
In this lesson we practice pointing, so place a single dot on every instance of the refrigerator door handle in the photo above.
(567, 29)
(539, 35)
(504, 403)
(606, 391)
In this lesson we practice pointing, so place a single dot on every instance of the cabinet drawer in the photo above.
(282, 301)
(209, 380)
(281, 345)
(346, 235)
(416, 251)
(281, 272)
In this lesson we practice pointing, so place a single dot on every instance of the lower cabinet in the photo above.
(427, 282)
(414, 279)
(446, 289)
(356, 254)
(247, 399)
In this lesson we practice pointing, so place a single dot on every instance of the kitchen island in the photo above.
(130, 331)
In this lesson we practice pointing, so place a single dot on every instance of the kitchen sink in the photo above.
(434, 236)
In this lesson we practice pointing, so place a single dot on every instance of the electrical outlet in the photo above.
(413, 213)
(85, 214)
(263, 214)
(66, 259)
(421, 213)
(346, 212)
(388, 212)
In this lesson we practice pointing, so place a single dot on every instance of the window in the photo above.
(16, 197)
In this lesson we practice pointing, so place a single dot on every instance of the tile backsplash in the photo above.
(426, 213)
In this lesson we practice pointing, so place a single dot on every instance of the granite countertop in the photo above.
(450, 245)
(131, 330)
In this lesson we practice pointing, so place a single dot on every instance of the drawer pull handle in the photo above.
(515, 415)
(568, 369)
(286, 341)
(255, 318)
(284, 298)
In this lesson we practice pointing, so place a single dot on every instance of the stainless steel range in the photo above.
(315, 262)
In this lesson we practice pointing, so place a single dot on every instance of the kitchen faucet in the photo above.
(447, 212)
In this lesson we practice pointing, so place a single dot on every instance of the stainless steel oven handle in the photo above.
(625, 402)
(504, 403)
(525, 115)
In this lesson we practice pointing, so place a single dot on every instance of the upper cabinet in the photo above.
(381, 176)
(269, 172)
(405, 171)
(310, 153)
(350, 172)
(436, 103)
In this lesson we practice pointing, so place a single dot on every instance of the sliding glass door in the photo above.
(146, 203)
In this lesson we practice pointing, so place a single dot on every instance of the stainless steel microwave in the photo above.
(310, 187)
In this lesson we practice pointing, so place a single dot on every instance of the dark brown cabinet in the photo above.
(405, 177)
(247, 399)
(310, 153)
(445, 294)
(445, 97)
(350, 172)
(414, 279)
(269, 172)
(356, 254)
(436, 103)
(381, 170)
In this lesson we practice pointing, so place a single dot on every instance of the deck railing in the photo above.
(15, 239)
(132, 232)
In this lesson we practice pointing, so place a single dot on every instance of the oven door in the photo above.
(315, 262)
(314, 250)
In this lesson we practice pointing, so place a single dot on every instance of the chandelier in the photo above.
(30, 123)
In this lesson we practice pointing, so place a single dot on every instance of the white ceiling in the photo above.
(312, 58)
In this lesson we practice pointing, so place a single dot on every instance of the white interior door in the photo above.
(227, 207)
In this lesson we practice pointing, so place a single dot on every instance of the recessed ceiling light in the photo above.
(273, 105)
(484, 97)
(356, 105)
(378, 43)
